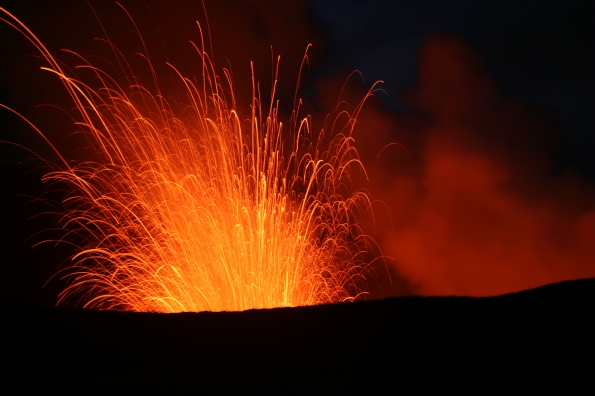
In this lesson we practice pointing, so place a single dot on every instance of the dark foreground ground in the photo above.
(537, 340)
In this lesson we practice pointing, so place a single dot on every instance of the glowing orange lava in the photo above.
(189, 207)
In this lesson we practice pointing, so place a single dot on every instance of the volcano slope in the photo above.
(527, 341)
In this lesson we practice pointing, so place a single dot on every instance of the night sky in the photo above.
(536, 51)
(491, 187)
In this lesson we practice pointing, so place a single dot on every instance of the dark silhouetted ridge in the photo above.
(533, 340)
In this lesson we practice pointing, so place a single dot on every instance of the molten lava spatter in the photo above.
(189, 207)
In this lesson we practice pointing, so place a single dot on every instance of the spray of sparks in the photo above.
(190, 207)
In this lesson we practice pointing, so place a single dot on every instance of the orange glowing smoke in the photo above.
(190, 207)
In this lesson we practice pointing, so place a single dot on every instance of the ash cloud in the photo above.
(482, 213)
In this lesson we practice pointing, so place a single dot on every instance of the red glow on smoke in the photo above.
(483, 214)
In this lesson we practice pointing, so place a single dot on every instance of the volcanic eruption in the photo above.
(187, 205)
(216, 193)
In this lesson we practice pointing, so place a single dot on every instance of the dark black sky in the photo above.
(539, 51)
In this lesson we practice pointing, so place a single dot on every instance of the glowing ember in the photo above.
(189, 207)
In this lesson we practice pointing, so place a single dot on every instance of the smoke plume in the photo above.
(482, 212)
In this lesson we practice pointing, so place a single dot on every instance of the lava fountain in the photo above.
(187, 206)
